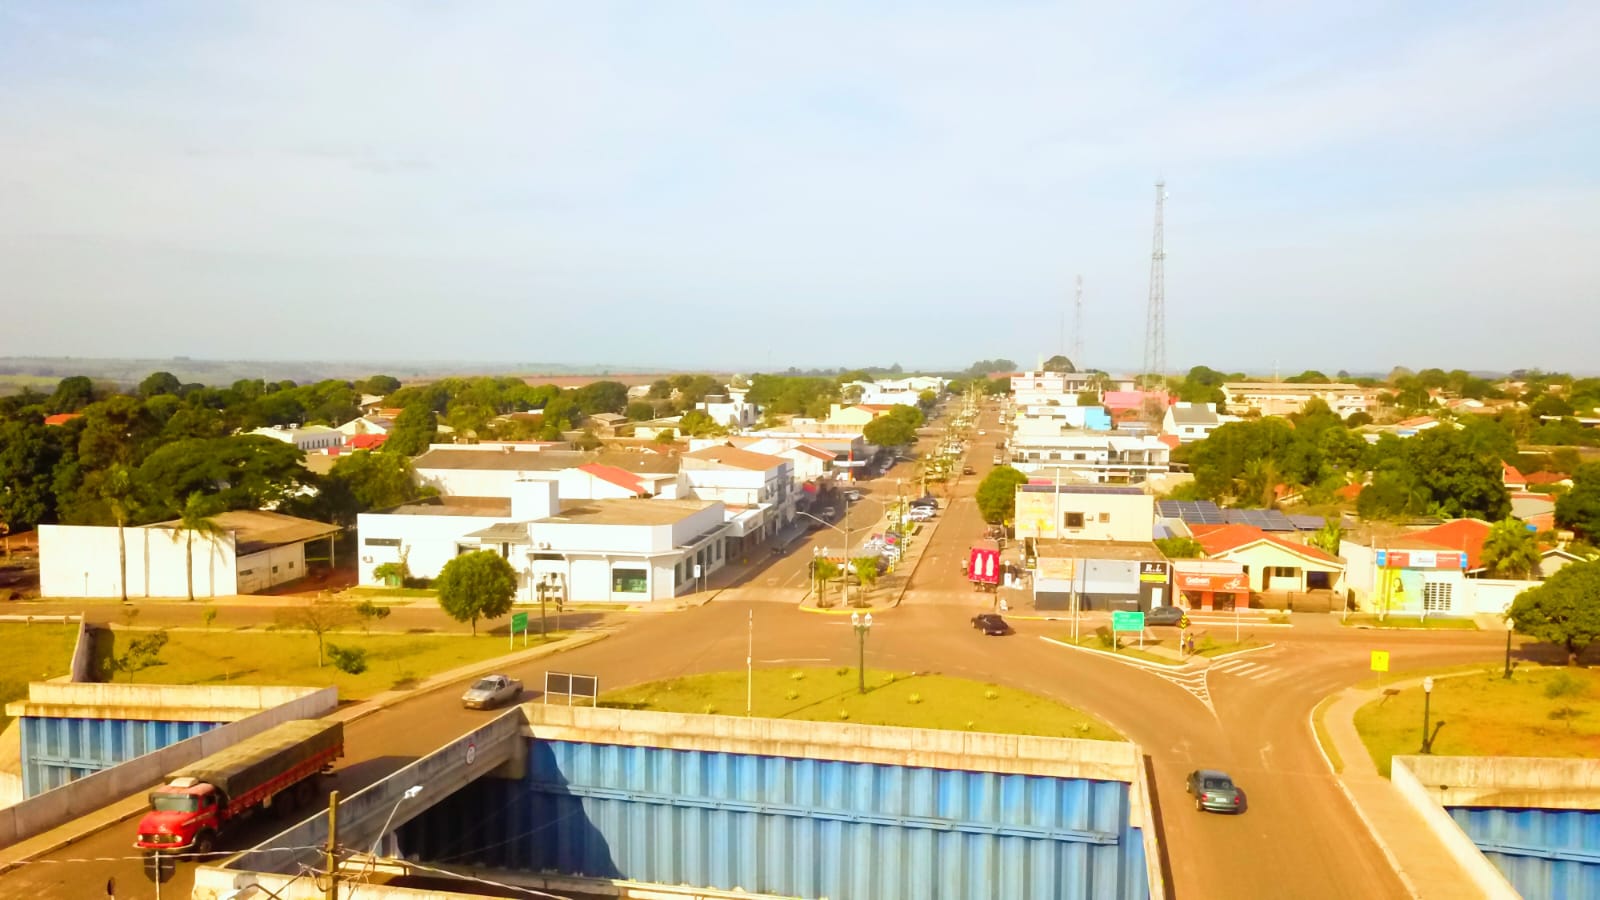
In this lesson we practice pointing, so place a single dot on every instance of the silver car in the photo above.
(491, 691)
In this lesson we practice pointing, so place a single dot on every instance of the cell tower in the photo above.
(1077, 325)
(1155, 327)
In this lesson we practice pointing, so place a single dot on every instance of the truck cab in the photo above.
(183, 813)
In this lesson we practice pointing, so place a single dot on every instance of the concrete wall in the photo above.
(83, 653)
(431, 541)
(82, 561)
(259, 571)
(1406, 778)
(53, 808)
(1509, 781)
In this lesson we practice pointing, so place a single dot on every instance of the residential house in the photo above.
(1050, 512)
(1271, 398)
(1051, 419)
(1511, 478)
(1191, 421)
(366, 424)
(811, 464)
(606, 424)
(61, 418)
(1134, 404)
(308, 439)
(731, 410)
(1271, 562)
(1028, 388)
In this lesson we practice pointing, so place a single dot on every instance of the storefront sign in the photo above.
(1153, 572)
(1422, 559)
(1057, 569)
(1203, 581)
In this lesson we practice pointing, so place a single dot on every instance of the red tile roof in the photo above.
(1533, 478)
(366, 441)
(1220, 539)
(1171, 440)
(813, 451)
(622, 478)
(1350, 491)
(1510, 475)
(61, 418)
(1466, 535)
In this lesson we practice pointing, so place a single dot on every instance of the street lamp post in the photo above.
(1510, 627)
(862, 625)
(1427, 696)
(410, 792)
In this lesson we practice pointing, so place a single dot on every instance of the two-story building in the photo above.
(731, 410)
(1190, 422)
(757, 488)
(1092, 457)
(1272, 398)
(1079, 512)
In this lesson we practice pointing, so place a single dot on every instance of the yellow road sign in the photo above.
(1380, 660)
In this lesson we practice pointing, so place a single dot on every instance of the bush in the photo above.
(350, 660)
(1563, 685)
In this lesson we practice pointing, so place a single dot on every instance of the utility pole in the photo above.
(1155, 334)
(333, 846)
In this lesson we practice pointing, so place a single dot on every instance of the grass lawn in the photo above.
(394, 661)
(1368, 620)
(368, 593)
(1541, 711)
(892, 698)
(35, 652)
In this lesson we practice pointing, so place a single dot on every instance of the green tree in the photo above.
(116, 488)
(1179, 548)
(415, 428)
(373, 481)
(601, 397)
(244, 471)
(1579, 508)
(1059, 363)
(866, 571)
(660, 389)
(378, 385)
(889, 431)
(1328, 537)
(142, 653)
(322, 616)
(1510, 550)
(478, 585)
(822, 572)
(696, 423)
(196, 520)
(997, 494)
(1564, 609)
(72, 394)
(158, 383)
(29, 454)
(640, 411)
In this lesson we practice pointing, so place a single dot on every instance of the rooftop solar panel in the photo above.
(1307, 523)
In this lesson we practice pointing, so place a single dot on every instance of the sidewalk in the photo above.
(1422, 862)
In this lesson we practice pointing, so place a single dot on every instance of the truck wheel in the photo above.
(204, 843)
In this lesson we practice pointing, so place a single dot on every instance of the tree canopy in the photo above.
(1578, 509)
(477, 585)
(1564, 609)
(1510, 550)
(996, 495)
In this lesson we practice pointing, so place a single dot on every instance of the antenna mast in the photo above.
(1155, 333)
(1077, 326)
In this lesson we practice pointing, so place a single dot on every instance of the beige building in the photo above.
(1081, 512)
(1271, 398)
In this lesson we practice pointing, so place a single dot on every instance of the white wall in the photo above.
(576, 484)
(82, 561)
(259, 571)
(479, 482)
(431, 541)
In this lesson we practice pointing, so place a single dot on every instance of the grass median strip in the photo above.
(892, 698)
(1439, 623)
(36, 652)
(1539, 711)
(393, 661)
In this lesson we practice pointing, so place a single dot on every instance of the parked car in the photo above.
(827, 513)
(968, 470)
(852, 495)
(999, 459)
(929, 501)
(991, 624)
(1215, 791)
(921, 513)
(1166, 615)
(491, 691)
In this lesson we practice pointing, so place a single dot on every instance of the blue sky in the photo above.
(757, 185)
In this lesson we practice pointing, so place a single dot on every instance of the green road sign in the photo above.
(1127, 621)
(519, 622)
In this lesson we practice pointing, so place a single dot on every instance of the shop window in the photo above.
(629, 581)
(1073, 519)
(1105, 518)
(1283, 572)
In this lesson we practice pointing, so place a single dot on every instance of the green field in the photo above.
(892, 698)
(35, 652)
(1541, 711)
(394, 661)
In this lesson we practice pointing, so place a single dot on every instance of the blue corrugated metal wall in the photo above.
(810, 828)
(1547, 854)
(58, 751)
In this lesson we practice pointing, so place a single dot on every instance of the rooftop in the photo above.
(1047, 487)
(1132, 550)
(739, 459)
(1219, 539)
(487, 507)
(497, 460)
(628, 512)
(255, 530)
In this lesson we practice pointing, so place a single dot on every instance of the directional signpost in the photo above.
(1127, 620)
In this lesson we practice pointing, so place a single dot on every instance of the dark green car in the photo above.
(1215, 791)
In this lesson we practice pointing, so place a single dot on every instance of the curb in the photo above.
(1388, 854)
(1126, 660)
(880, 610)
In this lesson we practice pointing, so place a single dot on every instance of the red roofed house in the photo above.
(1512, 479)
(1547, 479)
(597, 481)
(61, 418)
(1465, 535)
(365, 441)
(1271, 563)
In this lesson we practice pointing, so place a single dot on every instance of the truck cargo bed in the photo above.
(255, 761)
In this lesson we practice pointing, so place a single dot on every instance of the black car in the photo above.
(991, 624)
(928, 501)
(1165, 615)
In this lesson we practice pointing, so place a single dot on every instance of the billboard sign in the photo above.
(983, 565)
(1153, 572)
(1422, 559)
(1206, 581)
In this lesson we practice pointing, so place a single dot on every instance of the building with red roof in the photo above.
(1271, 563)
(61, 418)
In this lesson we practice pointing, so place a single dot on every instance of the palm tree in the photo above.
(117, 490)
(196, 519)
(1511, 550)
(1328, 536)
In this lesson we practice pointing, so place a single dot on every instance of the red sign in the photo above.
(984, 565)
(1422, 559)
(1201, 581)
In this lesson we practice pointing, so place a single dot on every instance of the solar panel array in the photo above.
(1264, 519)
(1308, 523)
(1194, 512)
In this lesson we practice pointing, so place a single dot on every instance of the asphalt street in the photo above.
(1298, 838)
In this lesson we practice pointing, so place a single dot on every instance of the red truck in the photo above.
(201, 801)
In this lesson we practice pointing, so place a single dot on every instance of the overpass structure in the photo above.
(625, 803)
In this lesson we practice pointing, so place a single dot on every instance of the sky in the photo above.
(757, 185)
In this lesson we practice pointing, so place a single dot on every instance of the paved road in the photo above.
(1299, 838)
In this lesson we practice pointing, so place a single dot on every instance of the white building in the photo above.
(1061, 388)
(1077, 512)
(1271, 398)
(731, 410)
(1190, 422)
(368, 424)
(758, 488)
(811, 464)
(607, 550)
(255, 550)
(1096, 458)
(308, 438)
(889, 392)
(491, 471)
